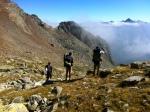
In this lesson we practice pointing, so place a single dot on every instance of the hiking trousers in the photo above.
(96, 67)
(68, 72)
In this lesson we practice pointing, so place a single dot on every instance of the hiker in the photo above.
(97, 59)
(68, 63)
(48, 69)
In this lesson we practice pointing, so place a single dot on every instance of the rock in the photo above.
(89, 72)
(104, 73)
(55, 107)
(32, 106)
(132, 81)
(64, 100)
(6, 68)
(40, 83)
(23, 83)
(1, 106)
(57, 91)
(26, 80)
(16, 107)
(27, 86)
(37, 103)
(147, 72)
(126, 105)
(18, 99)
(117, 76)
(106, 109)
(4, 86)
(136, 65)
(43, 104)
(33, 102)
(18, 86)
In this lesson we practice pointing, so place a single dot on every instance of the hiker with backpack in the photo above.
(97, 59)
(68, 63)
(48, 70)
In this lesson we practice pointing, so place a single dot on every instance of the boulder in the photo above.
(57, 91)
(26, 80)
(18, 99)
(32, 106)
(132, 81)
(27, 86)
(33, 102)
(136, 65)
(23, 83)
(55, 107)
(106, 109)
(104, 73)
(147, 72)
(36, 102)
(16, 107)
(89, 72)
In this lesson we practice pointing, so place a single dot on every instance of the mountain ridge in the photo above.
(28, 36)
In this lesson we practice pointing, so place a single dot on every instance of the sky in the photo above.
(87, 10)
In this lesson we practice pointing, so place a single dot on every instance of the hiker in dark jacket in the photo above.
(68, 63)
(48, 69)
(97, 59)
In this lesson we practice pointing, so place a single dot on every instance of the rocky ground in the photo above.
(123, 88)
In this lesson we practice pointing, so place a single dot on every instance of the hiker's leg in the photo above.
(47, 77)
(66, 73)
(94, 68)
(50, 76)
(98, 65)
(69, 73)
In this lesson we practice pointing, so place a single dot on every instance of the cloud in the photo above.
(128, 41)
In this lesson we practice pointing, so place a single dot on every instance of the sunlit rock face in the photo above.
(4, 1)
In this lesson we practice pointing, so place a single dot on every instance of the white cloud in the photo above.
(128, 41)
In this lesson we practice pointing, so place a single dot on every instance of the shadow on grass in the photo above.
(63, 81)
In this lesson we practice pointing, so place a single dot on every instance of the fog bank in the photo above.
(128, 41)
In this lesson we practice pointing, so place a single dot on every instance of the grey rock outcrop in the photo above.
(136, 65)
(16, 107)
(104, 73)
(23, 83)
(132, 81)
(34, 102)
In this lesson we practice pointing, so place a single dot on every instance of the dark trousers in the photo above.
(48, 75)
(96, 67)
(68, 72)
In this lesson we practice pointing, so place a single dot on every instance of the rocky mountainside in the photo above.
(27, 36)
(86, 37)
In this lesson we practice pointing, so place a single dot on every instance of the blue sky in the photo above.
(87, 10)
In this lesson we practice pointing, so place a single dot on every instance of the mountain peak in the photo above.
(129, 21)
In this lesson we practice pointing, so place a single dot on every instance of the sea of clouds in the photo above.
(128, 41)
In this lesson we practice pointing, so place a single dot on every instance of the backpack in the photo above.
(48, 69)
(96, 55)
(65, 56)
(68, 60)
